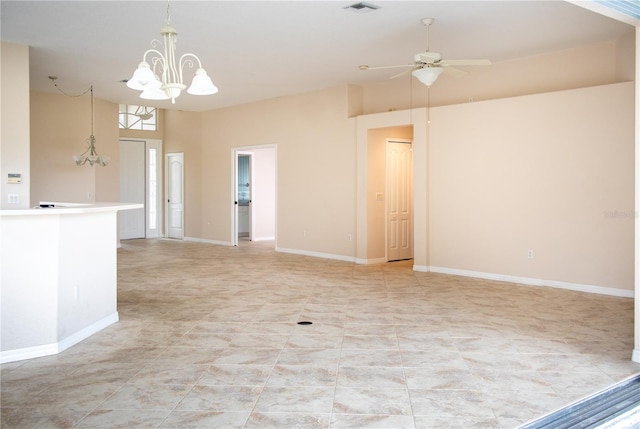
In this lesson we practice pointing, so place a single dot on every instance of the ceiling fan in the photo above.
(428, 65)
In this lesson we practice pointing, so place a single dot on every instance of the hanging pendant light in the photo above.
(90, 155)
(169, 84)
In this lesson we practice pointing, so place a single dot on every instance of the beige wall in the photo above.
(574, 68)
(552, 172)
(315, 177)
(60, 127)
(14, 134)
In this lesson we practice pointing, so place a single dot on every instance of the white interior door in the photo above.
(175, 195)
(132, 188)
(399, 184)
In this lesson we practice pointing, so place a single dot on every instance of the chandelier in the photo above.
(90, 155)
(170, 83)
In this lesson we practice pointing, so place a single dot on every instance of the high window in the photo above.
(132, 117)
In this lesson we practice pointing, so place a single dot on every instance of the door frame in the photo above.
(416, 117)
(249, 150)
(386, 192)
(166, 194)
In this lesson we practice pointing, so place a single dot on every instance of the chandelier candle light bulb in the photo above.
(170, 83)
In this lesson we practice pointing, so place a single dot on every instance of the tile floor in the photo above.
(208, 338)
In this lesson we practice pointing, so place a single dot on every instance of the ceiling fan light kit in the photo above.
(427, 75)
(170, 83)
(428, 65)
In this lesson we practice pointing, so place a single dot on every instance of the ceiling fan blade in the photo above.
(403, 73)
(452, 71)
(366, 67)
(481, 62)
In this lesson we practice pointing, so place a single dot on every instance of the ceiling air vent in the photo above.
(362, 7)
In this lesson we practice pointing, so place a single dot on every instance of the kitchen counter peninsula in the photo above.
(58, 276)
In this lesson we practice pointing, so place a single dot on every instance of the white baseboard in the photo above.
(532, 282)
(373, 261)
(55, 348)
(28, 353)
(316, 254)
(263, 238)
(600, 290)
(635, 355)
(204, 240)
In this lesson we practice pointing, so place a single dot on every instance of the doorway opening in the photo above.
(243, 196)
(253, 194)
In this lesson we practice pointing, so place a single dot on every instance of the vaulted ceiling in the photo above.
(257, 50)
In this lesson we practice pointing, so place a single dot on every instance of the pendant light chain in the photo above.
(53, 80)
(91, 88)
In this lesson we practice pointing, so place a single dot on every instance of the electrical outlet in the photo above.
(14, 198)
(530, 254)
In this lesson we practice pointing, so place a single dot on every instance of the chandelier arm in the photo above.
(159, 57)
(152, 51)
(85, 152)
(154, 62)
(185, 60)
(188, 54)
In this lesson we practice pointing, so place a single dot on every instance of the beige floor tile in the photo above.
(268, 420)
(209, 337)
(359, 400)
(205, 419)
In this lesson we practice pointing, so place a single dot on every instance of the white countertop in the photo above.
(70, 208)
